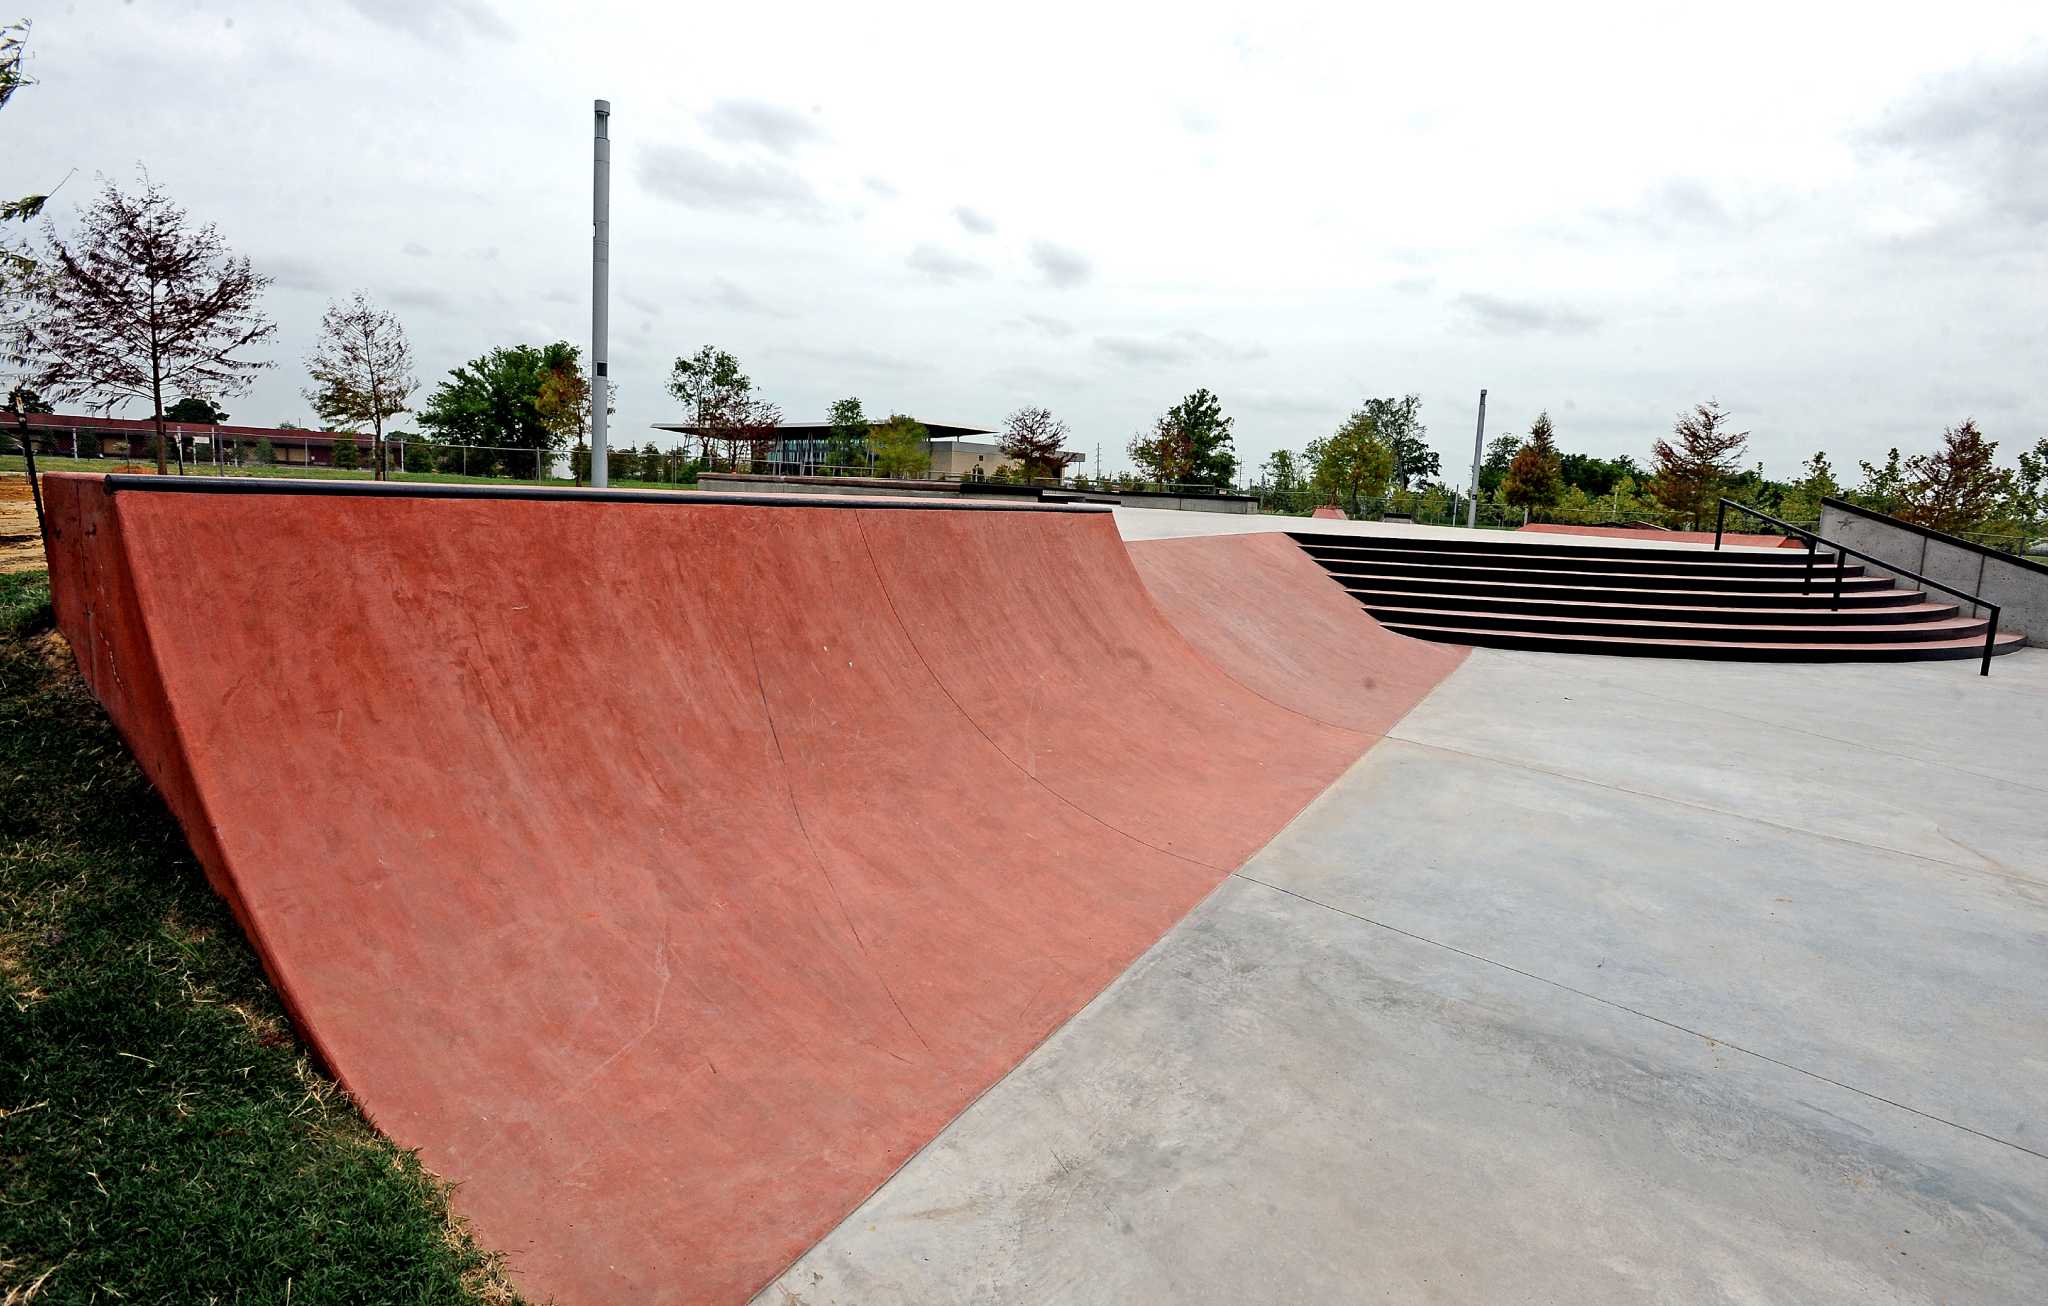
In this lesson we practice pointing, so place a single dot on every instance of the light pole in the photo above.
(600, 289)
(1478, 440)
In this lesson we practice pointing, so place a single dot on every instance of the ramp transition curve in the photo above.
(667, 872)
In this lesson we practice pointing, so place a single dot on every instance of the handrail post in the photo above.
(1720, 520)
(1841, 565)
(1812, 544)
(1990, 637)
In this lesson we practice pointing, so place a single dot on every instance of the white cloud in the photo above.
(943, 266)
(1059, 265)
(695, 179)
(757, 122)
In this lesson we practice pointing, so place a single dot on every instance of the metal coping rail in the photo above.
(1815, 538)
(117, 483)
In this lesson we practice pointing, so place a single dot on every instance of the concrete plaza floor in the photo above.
(1599, 980)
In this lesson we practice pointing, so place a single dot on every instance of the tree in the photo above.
(1801, 501)
(1883, 488)
(1499, 456)
(1282, 482)
(754, 426)
(1354, 464)
(1399, 423)
(1211, 451)
(192, 408)
(902, 447)
(1956, 487)
(563, 401)
(847, 445)
(13, 49)
(494, 400)
(140, 302)
(266, 452)
(1166, 453)
(1031, 437)
(361, 369)
(1535, 477)
(1691, 474)
(346, 456)
(710, 383)
(17, 266)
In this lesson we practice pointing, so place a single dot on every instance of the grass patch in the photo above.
(163, 1137)
(257, 471)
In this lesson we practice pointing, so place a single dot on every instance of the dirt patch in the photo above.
(21, 548)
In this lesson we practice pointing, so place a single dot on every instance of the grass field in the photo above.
(163, 1137)
(101, 466)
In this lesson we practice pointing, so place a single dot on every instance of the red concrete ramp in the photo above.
(667, 869)
(1265, 614)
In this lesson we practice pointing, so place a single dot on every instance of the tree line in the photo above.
(1376, 459)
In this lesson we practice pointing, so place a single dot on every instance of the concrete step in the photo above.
(1536, 571)
(1829, 628)
(1901, 651)
(1587, 560)
(1498, 542)
(1879, 591)
(1754, 614)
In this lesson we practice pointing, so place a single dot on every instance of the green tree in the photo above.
(846, 448)
(1031, 438)
(1956, 487)
(266, 452)
(717, 394)
(1282, 482)
(1883, 488)
(1535, 478)
(563, 403)
(494, 400)
(1399, 423)
(1191, 444)
(1801, 501)
(1353, 465)
(346, 455)
(1693, 472)
(199, 412)
(902, 447)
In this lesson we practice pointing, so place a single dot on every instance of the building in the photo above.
(65, 435)
(802, 449)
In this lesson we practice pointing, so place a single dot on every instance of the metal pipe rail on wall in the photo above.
(1842, 551)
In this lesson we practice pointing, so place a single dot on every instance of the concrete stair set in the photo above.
(1505, 591)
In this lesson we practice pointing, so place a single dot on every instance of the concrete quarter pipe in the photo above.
(668, 870)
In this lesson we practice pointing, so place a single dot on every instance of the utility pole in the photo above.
(600, 289)
(1478, 441)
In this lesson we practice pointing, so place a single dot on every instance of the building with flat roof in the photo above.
(70, 435)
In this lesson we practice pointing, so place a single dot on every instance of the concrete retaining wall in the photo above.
(744, 482)
(2018, 585)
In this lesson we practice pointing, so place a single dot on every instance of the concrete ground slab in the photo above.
(1589, 1010)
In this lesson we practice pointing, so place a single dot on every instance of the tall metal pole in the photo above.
(1478, 440)
(600, 289)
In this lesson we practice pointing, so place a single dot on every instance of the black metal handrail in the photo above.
(1814, 539)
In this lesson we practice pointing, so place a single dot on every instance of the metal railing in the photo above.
(1843, 552)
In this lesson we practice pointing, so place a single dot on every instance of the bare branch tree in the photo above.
(361, 369)
(140, 302)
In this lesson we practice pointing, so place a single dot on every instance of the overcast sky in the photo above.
(1833, 222)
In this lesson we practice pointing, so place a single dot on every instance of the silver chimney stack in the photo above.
(600, 290)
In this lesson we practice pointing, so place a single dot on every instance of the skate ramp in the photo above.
(668, 870)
